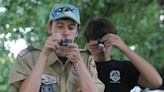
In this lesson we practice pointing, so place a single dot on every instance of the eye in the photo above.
(72, 27)
(60, 26)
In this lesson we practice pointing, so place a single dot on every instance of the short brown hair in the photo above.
(97, 28)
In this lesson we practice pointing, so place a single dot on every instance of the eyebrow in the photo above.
(59, 22)
(72, 24)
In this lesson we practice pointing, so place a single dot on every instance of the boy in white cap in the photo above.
(57, 66)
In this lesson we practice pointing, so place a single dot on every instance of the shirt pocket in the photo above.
(73, 83)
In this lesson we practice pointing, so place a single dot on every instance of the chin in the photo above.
(100, 53)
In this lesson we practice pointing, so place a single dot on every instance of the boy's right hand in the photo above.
(52, 43)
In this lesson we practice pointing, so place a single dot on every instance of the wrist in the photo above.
(44, 55)
(125, 50)
(45, 52)
(78, 63)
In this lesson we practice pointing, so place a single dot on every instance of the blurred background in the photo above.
(140, 23)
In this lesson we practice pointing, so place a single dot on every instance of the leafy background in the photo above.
(137, 21)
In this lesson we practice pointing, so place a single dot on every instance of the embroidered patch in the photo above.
(47, 79)
(74, 70)
(23, 52)
(47, 83)
(47, 88)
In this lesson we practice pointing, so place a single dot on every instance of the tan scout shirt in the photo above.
(62, 77)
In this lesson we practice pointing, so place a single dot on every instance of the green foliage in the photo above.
(5, 65)
(137, 22)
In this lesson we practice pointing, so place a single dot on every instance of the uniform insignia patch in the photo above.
(47, 88)
(47, 79)
(28, 49)
(23, 52)
(74, 71)
(47, 83)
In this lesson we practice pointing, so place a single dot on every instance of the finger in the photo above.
(69, 49)
(72, 45)
(52, 44)
(109, 36)
(70, 57)
(92, 45)
(93, 42)
(106, 36)
(57, 37)
(48, 46)
(74, 56)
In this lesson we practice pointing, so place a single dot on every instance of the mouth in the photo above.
(99, 52)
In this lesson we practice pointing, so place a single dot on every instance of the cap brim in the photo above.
(65, 16)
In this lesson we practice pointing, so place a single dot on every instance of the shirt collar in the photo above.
(52, 58)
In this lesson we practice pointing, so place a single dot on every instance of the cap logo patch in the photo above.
(63, 9)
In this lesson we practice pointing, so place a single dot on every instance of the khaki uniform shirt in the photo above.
(57, 76)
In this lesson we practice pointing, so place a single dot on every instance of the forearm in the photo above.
(86, 82)
(32, 82)
(147, 71)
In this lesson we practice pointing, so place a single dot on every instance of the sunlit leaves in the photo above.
(137, 21)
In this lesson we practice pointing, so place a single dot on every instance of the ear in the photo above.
(49, 28)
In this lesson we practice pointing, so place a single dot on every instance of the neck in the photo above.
(102, 58)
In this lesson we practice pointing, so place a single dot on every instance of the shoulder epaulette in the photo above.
(31, 48)
(23, 52)
(28, 49)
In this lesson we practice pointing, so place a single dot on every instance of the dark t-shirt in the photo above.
(118, 76)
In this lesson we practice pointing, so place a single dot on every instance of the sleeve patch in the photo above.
(23, 52)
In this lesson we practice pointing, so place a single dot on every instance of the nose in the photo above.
(66, 32)
(104, 49)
